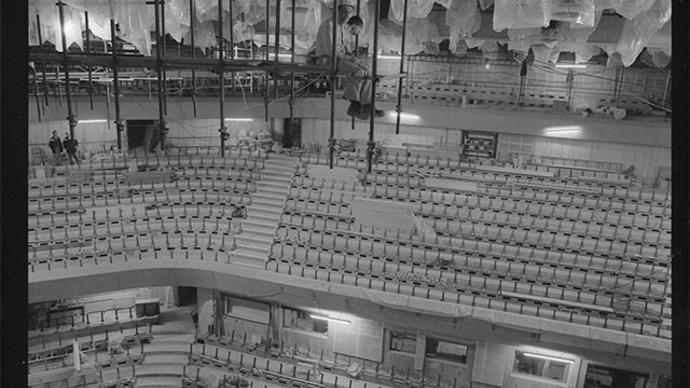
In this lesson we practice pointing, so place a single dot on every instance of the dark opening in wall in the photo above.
(142, 134)
(186, 296)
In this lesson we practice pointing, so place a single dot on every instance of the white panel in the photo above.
(362, 338)
(490, 361)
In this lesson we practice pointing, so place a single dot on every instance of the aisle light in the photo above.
(404, 116)
(280, 55)
(562, 130)
(322, 318)
(550, 358)
(92, 121)
(388, 56)
(239, 119)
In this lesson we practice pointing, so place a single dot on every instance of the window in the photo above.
(301, 320)
(446, 350)
(403, 342)
(552, 368)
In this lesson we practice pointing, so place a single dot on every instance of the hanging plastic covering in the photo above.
(542, 53)
(204, 10)
(176, 18)
(463, 19)
(521, 14)
(416, 9)
(136, 20)
(204, 35)
(659, 57)
(444, 3)
(577, 12)
(601, 5)
(631, 8)
(254, 10)
(522, 39)
(637, 32)
(100, 13)
(485, 4)
(50, 23)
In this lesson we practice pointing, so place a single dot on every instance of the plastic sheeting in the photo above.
(254, 10)
(637, 32)
(577, 12)
(463, 18)
(136, 21)
(416, 9)
(176, 18)
(50, 23)
(521, 14)
(660, 58)
(631, 8)
(485, 4)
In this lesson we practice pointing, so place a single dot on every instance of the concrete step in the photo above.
(270, 195)
(278, 166)
(260, 224)
(256, 250)
(275, 178)
(273, 191)
(258, 230)
(264, 211)
(159, 381)
(249, 259)
(268, 220)
(246, 239)
(271, 203)
(166, 358)
(273, 185)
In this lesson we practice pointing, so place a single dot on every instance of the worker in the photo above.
(358, 84)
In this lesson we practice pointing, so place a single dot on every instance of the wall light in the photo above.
(322, 318)
(239, 119)
(570, 65)
(405, 116)
(543, 357)
(92, 121)
(280, 55)
(572, 129)
(388, 56)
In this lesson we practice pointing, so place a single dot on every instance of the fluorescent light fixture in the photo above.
(92, 121)
(322, 318)
(406, 116)
(543, 357)
(239, 119)
(280, 55)
(570, 65)
(388, 56)
(562, 130)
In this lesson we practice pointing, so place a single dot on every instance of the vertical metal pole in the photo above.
(164, 53)
(356, 53)
(398, 108)
(221, 78)
(88, 51)
(334, 68)
(72, 121)
(38, 99)
(371, 144)
(159, 68)
(192, 18)
(277, 49)
(43, 66)
(116, 86)
(268, 3)
(291, 102)
(232, 43)
(569, 80)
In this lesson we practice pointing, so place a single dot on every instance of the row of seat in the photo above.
(651, 286)
(580, 172)
(488, 293)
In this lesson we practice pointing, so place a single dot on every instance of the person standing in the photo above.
(56, 147)
(70, 145)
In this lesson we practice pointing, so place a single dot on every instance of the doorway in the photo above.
(142, 134)
(292, 136)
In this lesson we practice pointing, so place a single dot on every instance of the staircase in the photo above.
(253, 243)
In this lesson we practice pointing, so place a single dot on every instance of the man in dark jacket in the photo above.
(71, 148)
(55, 145)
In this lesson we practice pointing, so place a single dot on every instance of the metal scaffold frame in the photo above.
(161, 64)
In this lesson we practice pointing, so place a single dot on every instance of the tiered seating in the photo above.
(578, 255)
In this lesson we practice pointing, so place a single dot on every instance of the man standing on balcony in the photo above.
(358, 84)
(55, 145)
(71, 148)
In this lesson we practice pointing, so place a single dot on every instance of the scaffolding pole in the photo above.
(43, 65)
(398, 108)
(291, 102)
(192, 18)
(334, 62)
(372, 113)
(221, 79)
(159, 68)
(357, 52)
(71, 120)
(268, 4)
(88, 51)
(277, 49)
(116, 86)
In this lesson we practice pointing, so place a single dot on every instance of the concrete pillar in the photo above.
(420, 351)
